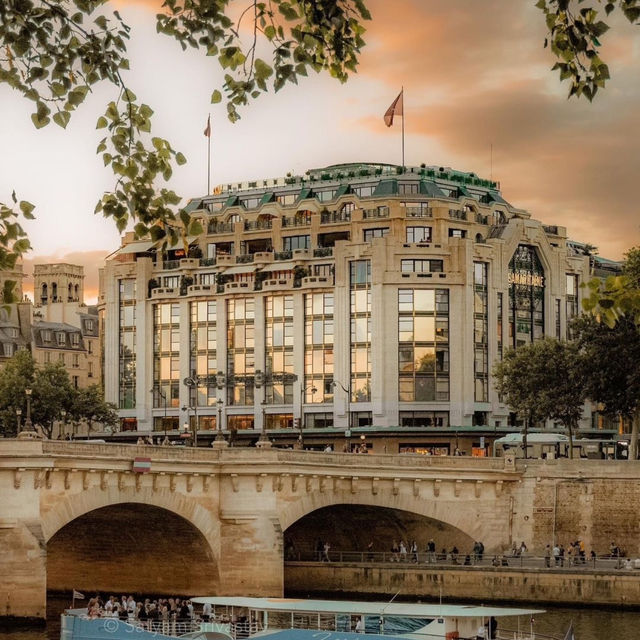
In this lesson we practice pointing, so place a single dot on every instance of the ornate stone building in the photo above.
(356, 302)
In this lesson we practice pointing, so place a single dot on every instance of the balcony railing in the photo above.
(323, 252)
(331, 217)
(379, 212)
(207, 262)
(458, 214)
(296, 221)
(480, 219)
(167, 265)
(220, 227)
(257, 225)
(418, 212)
(283, 255)
(244, 258)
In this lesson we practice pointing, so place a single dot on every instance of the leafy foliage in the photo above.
(575, 30)
(13, 240)
(544, 380)
(52, 393)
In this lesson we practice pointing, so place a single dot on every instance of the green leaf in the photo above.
(61, 118)
(26, 208)
(216, 97)
(180, 159)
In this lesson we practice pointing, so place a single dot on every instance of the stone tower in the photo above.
(56, 283)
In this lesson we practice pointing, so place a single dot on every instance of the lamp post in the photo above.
(18, 416)
(347, 433)
(192, 382)
(303, 389)
(263, 441)
(219, 442)
(27, 432)
(63, 422)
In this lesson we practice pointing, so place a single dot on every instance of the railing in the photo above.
(220, 227)
(480, 219)
(283, 255)
(171, 264)
(458, 214)
(207, 262)
(418, 212)
(330, 217)
(244, 258)
(256, 225)
(464, 561)
(380, 212)
(323, 252)
(296, 221)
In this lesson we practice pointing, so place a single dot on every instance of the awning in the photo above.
(279, 266)
(135, 247)
(242, 268)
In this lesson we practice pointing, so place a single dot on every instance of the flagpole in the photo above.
(209, 161)
(403, 111)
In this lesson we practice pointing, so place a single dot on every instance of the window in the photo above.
(406, 188)
(326, 195)
(89, 347)
(61, 358)
(90, 370)
(278, 313)
(318, 345)
(572, 306)
(61, 338)
(360, 317)
(418, 234)
(208, 278)
(370, 234)
(47, 357)
(289, 243)
(171, 282)
(286, 199)
(211, 250)
(75, 361)
(421, 265)
(75, 380)
(7, 348)
(75, 339)
(46, 335)
(250, 203)
(457, 233)
(481, 322)
(416, 209)
(347, 209)
(365, 191)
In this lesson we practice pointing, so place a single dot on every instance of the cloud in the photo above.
(90, 260)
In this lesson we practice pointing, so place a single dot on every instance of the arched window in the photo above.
(77, 291)
(44, 295)
(54, 292)
(70, 293)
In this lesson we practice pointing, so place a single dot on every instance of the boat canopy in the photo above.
(399, 609)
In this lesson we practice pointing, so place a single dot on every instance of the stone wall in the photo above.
(481, 584)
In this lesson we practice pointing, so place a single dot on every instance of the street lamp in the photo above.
(28, 425)
(219, 442)
(192, 383)
(263, 441)
(347, 433)
(63, 415)
(313, 390)
(18, 415)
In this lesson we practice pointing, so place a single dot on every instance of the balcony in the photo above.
(168, 265)
(311, 282)
(164, 292)
(333, 217)
(380, 212)
(457, 214)
(225, 259)
(480, 219)
(207, 262)
(231, 287)
(323, 252)
(244, 258)
(220, 227)
(283, 255)
(257, 225)
(277, 283)
(200, 289)
(418, 212)
(296, 221)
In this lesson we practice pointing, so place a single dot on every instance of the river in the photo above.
(588, 624)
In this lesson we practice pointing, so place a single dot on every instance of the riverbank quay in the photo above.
(581, 587)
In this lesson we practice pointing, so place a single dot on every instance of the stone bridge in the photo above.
(76, 515)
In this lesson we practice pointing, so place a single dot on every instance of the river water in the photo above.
(588, 624)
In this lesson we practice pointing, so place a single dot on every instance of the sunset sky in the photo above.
(475, 75)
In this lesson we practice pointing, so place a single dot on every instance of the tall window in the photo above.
(203, 343)
(318, 347)
(166, 354)
(360, 283)
(526, 296)
(572, 300)
(499, 325)
(480, 331)
(289, 243)
(558, 319)
(278, 347)
(240, 350)
(423, 349)
(127, 355)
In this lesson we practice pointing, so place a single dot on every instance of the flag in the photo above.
(569, 635)
(396, 109)
(207, 131)
(77, 595)
(141, 465)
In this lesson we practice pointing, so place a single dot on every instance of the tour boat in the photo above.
(238, 618)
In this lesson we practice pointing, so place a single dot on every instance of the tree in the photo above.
(55, 51)
(16, 376)
(53, 393)
(89, 405)
(544, 381)
(611, 359)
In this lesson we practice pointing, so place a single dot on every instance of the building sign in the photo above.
(141, 465)
(526, 278)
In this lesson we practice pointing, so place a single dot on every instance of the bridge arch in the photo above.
(131, 547)
(464, 516)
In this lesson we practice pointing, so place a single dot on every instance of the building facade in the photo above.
(356, 303)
